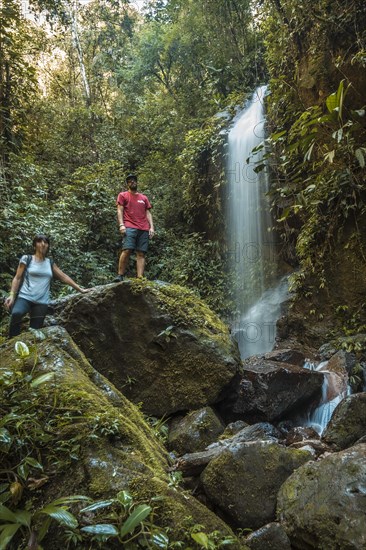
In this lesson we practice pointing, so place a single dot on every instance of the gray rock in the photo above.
(323, 504)
(270, 537)
(195, 431)
(244, 479)
(291, 356)
(348, 422)
(233, 428)
(270, 390)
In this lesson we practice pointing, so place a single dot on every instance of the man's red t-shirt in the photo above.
(134, 209)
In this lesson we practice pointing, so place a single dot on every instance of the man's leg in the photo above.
(123, 261)
(140, 263)
(37, 315)
(20, 308)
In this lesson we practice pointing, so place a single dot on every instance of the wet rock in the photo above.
(341, 362)
(322, 504)
(291, 356)
(243, 481)
(300, 434)
(158, 343)
(269, 537)
(270, 390)
(348, 423)
(195, 431)
(233, 428)
(315, 446)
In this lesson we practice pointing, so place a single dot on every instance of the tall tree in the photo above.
(17, 79)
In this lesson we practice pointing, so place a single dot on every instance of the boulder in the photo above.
(269, 537)
(323, 505)
(341, 362)
(291, 356)
(192, 464)
(195, 431)
(270, 390)
(158, 343)
(348, 422)
(89, 438)
(300, 434)
(233, 428)
(244, 479)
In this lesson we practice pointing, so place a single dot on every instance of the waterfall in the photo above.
(252, 250)
(334, 389)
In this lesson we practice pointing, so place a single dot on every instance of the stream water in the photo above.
(334, 389)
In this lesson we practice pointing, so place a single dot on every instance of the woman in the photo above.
(33, 280)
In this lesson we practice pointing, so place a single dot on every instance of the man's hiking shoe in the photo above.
(119, 278)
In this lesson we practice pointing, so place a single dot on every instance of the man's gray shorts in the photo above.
(136, 239)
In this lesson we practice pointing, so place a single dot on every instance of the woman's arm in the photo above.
(15, 284)
(61, 276)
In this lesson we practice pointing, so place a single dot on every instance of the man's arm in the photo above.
(151, 223)
(121, 225)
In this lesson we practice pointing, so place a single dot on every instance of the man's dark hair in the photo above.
(131, 177)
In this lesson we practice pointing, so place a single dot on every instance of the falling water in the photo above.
(334, 389)
(252, 250)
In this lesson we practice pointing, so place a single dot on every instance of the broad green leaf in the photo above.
(4, 497)
(21, 349)
(200, 538)
(7, 533)
(5, 440)
(101, 529)
(69, 500)
(33, 462)
(44, 528)
(7, 515)
(137, 516)
(98, 505)
(23, 517)
(23, 471)
(42, 379)
(160, 540)
(124, 498)
(331, 102)
(61, 515)
(277, 135)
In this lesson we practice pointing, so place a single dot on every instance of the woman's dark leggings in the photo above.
(21, 307)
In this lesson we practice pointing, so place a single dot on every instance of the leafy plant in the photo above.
(33, 527)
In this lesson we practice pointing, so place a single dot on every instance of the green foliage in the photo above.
(321, 158)
(195, 263)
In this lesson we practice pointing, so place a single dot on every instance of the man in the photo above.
(135, 225)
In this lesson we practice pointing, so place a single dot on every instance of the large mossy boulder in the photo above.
(158, 343)
(87, 436)
(323, 504)
(348, 422)
(243, 480)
